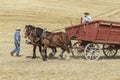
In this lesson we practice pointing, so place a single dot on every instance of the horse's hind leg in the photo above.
(70, 48)
(52, 54)
(34, 51)
(44, 53)
(45, 56)
(68, 55)
(61, 55)
(40, 50)
(55, 50)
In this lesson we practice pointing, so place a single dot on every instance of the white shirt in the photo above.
(87, 19)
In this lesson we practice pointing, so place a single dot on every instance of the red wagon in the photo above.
(91, 34)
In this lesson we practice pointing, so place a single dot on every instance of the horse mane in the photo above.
(39, 30)
(31, 26)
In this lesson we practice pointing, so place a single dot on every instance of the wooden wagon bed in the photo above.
(99, 31)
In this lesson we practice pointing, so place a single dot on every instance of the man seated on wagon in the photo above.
(87, 18)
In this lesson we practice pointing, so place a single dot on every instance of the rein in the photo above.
(31, 38)
(35, 40)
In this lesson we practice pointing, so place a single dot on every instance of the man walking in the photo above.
(17, 38)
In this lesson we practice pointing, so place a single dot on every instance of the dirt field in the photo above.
(53, 14)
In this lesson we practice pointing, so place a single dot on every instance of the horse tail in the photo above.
(70, 44)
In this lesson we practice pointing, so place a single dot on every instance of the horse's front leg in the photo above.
(54, 50)
(34, 51)
(44, 53)
(40, 50)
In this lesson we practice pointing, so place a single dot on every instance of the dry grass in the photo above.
(53, 14)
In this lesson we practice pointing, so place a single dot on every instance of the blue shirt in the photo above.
(87, 19)
(17, 36)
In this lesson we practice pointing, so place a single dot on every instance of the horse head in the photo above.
(27, 30)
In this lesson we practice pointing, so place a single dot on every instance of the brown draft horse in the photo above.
(59, 39)
(33, 38)
(27, 32)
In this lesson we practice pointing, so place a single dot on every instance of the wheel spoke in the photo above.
(92, 52)
(87, 50)
(93, 57)
(89, 57)
(77, 50)
(108, 53)
(109, 50)
(113, 51)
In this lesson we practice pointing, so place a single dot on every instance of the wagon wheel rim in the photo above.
(77, 49)
(92, 51)
(110, 50)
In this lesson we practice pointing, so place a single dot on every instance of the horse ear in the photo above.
(26, 25)
(45, 28)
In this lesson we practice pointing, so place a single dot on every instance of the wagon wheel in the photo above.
(77, 49)
(92, 51)
(110, 50)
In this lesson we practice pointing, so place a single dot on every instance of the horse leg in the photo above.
(34, 51)
(44, 53)
(40, 50)
(55, 50)
(66, 48)
(72, 52)
(70, 43)
(68, 55)
(61, 55)
(52, 54)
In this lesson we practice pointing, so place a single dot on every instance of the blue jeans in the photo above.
(17, 49)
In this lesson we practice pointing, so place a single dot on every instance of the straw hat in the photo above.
(86, 13)
(18, 29)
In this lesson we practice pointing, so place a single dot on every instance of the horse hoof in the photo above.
(44, 59)
(60, 57)
(33, 57)
(46, 56)
(51, 55)
(67, 58)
